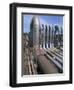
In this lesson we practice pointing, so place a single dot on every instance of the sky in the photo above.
(44, 19)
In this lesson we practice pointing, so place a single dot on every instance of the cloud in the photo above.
(42, 21)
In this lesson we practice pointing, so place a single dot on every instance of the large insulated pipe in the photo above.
(46, 66)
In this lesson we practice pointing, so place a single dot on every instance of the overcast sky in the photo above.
(44, 19)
